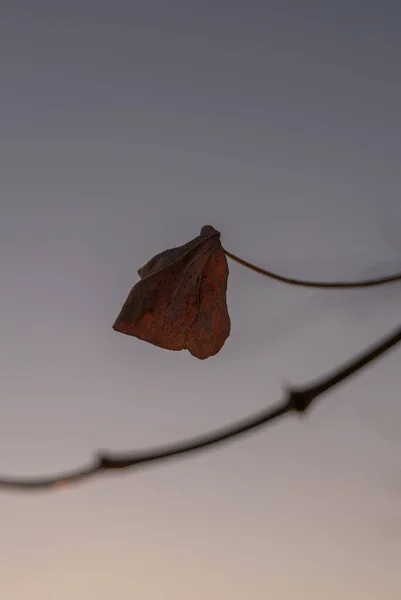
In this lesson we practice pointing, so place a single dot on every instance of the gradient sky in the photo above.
(125, 127)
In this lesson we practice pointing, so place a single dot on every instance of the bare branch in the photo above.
(296, 400)
(316, 284)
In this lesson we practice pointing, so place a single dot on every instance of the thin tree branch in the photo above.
(315, 284)
(296, 400)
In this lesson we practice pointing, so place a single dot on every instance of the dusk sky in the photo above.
(125, 127)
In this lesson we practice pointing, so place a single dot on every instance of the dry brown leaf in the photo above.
(180, 301)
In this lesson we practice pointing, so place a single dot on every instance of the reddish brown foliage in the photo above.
(180, 301)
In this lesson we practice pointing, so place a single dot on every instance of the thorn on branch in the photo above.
(300, 400)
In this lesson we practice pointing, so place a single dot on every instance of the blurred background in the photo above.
(125, 127)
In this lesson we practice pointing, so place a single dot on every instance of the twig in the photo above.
(315, 284)
(296, 400)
